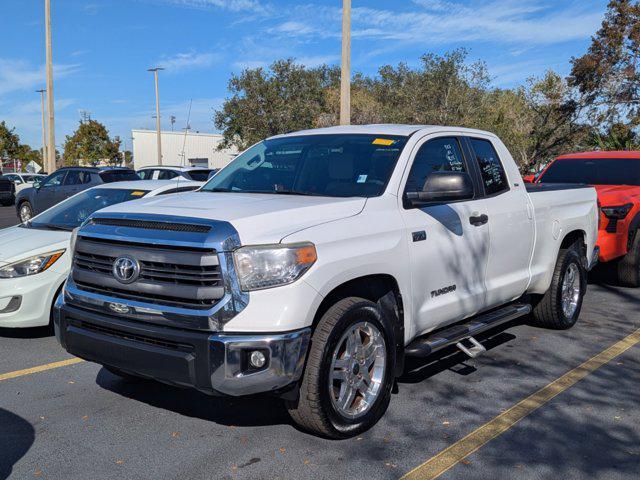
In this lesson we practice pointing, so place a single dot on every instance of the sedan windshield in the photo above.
(324, 165)
(72, 212)
(606, 171)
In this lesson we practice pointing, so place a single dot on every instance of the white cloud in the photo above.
(253, 6)
(438, 22)
(189, 60)
(18, 75)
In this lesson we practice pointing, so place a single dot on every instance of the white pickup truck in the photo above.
(316, 261)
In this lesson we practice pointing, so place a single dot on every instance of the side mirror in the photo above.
(529, 178)
(37, 184)
(443, 187)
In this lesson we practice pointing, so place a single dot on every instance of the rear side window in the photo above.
(118, 176)
(491, 169)
(77, 177)
(167, 175)
(199, 175)
(146, 174)
(439, 155)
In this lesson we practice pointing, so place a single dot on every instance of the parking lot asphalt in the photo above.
(79, 421)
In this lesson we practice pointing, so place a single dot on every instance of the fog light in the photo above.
(11, 304)
(257, 359)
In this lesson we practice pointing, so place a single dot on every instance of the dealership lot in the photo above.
(79, 421)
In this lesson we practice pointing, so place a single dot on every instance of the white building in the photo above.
(200, 149)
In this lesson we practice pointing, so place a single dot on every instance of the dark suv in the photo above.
(7, 191)
(64, 183)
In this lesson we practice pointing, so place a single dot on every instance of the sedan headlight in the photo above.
(31, 265)
(266, 266)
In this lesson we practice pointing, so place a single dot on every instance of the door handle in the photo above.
(478, 220)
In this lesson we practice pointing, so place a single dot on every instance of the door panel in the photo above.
(45, 196)
(511, 227)
(448, 254)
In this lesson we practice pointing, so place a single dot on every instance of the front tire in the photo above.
(347, 382)
(560, 306)
(629, 265)
(25, 212)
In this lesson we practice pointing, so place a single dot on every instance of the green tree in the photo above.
(608, 75)
(9, 142)
(91, 144)
(263, 103)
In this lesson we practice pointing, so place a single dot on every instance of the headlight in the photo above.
(618, 212)
(266, 266)
(31, 265)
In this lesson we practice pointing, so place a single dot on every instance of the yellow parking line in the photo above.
(443, 461)
(40, 368)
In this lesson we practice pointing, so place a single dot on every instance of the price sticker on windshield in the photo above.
(137, 193)
(387, 142)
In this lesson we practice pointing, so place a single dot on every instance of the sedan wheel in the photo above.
(26, 213)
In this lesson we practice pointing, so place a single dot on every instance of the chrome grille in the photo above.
(189, 278)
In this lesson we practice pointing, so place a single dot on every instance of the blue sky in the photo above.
(102, 49)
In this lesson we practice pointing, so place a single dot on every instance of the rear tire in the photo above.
(559, 308)
(629, 265)
(319, 408)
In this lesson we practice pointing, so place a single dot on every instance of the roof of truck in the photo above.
(596, 155)
(381, 129)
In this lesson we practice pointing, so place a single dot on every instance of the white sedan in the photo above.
(35, 258)
(23, 180)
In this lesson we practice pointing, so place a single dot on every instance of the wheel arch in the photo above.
(382, 289)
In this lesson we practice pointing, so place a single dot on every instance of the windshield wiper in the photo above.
(294, 192)
(53, 226)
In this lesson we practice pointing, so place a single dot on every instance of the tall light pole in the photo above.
(51, 151)
(155, 75)
(345, 77)
(44, 130)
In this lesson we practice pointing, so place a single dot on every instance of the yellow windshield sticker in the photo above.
(137, 193)
(384, 141)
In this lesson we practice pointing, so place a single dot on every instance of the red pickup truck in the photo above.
(616, 178)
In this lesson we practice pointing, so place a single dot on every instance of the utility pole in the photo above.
(51, 151)
(345, 77)
(159, 140)
(44, 130)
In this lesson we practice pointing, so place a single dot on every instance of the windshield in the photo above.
(199, 175)
(326, 165)
(606, 171)
(72, 212)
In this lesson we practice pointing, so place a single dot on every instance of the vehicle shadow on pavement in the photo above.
(257, 410)
(16, 437)
(35, 332)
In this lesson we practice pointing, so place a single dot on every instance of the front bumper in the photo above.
(215, 363)
(26, 302)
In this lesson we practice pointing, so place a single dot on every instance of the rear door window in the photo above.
(167, 174)
(492, 172)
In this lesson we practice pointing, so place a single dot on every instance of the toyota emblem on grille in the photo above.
(126, 269)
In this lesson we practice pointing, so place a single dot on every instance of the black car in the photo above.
(7, 191)
(64, 183)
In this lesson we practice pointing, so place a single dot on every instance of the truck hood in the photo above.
(258, 218)
(17, 243)
(613, 195)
